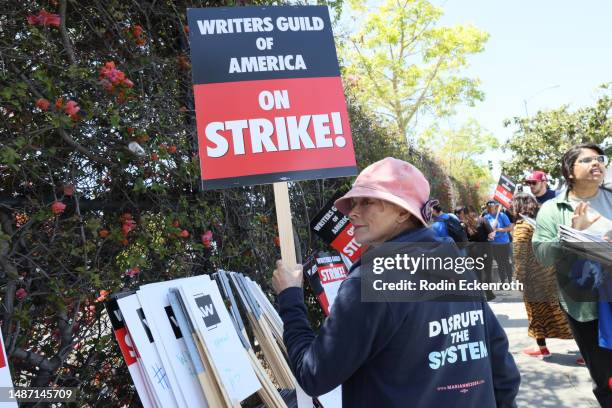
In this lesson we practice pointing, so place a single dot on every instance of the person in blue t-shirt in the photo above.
(501, 224)
(439, 225)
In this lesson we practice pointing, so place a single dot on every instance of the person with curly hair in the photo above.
(546, 320)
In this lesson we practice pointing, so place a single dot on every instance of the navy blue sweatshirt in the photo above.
(399, 354)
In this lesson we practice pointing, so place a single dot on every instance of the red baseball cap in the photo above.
(537, 176)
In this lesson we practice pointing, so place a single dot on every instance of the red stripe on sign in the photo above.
(2, 360)
(503, 196)
(125, 344)
(272, 126)
(346, 244)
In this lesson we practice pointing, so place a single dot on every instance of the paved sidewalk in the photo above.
(555, 382)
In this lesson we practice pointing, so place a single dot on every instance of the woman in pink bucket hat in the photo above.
(387, 198)
(395, 353)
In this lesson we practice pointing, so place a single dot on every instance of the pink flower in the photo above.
(108, 67)
(110, 77)
(137, 30)
(116, 76)
(103, 296)
(71, 109)
(106, 84)
(110, 72)
(44, 18)
(207, 238)
(21, 293)
(43, 104)
(132, 272)
(58, 207)
(128, 226)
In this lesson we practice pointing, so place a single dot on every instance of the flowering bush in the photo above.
(83, 216)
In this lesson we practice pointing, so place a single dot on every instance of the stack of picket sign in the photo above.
(183, 348)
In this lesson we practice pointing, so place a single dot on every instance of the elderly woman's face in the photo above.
(375, 221)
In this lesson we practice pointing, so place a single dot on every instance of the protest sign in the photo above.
(142, 339)
(221, 343)
(185, 331)
(201, 365)
(169, 339)
(128, 351)
(325, 272)
(335, 228)
(262, 332)
(5, 375)
(268, 393)
(268, 325)
(269, 100)
(504, 191)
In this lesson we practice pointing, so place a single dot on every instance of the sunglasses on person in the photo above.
(588, 160)
(532, 182)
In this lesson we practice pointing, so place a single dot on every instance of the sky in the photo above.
(541, 54)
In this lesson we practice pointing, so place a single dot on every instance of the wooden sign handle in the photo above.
(496, 221)
(498, 211)
(285, 226)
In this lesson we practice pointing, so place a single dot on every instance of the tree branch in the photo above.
(64, 33)
(78, 147)
(419, 100)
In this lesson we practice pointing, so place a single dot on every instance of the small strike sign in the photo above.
(504, 191)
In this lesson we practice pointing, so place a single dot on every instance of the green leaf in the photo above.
(114, 121)
(6, 93)
(9, 157)
(139, 185)
(20, 142)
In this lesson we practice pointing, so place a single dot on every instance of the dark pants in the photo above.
(598, 359)
(501, 253)
(483, 250)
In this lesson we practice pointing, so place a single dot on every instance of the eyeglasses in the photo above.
(531, 183)
(600, 159)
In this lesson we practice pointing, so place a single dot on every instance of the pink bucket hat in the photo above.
(391, 180)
